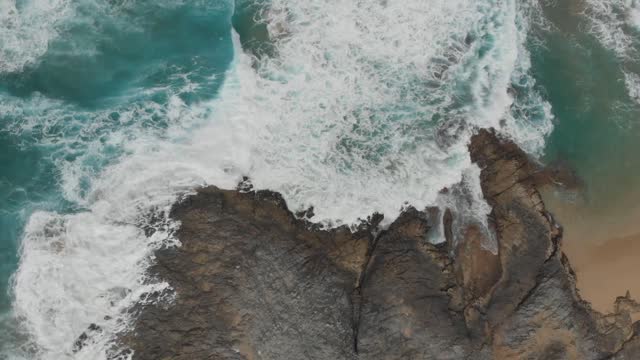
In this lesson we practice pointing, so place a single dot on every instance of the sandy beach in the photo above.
(601, 220)
(604, 250)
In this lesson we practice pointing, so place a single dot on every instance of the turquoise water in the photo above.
(597, 120)
(107, 74)
(27, 182)
(109, 110)
(588, 67)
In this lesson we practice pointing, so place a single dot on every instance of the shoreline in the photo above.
(252, 281)
(603, 250)
(600, 218)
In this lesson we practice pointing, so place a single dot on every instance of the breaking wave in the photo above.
(365, 106)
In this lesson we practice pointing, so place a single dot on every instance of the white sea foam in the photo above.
(612, 22)
(374, 89)
(26, 28)
(632, 81)
(368, 106)
(616, 24)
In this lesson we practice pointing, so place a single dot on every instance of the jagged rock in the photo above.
(86, 337)
(522, 227)
(477, 268)
(631, 348)
(405, 307)
(534, 311)
(252, 281)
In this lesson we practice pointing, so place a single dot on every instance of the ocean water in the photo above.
(589, 70)
(79, 81)
(110, 111)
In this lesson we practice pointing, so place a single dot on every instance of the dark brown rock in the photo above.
(631, 348)
(534, 311)
(405, 310)
(477, 268)
(525, 233)
(252, 281)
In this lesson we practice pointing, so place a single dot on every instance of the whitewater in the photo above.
(365, 106)
(616, 25)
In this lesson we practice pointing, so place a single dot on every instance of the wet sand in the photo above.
(606, 271)
(601, 234)
(603, 249)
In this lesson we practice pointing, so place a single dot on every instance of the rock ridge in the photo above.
(254, 281)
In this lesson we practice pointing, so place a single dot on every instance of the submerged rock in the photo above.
(252, 281)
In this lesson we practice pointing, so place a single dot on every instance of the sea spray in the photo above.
(613, 23)
(386, 104)
(616, 25)
(26, 28)
(364, 107)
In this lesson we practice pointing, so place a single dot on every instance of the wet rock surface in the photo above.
(252, 281)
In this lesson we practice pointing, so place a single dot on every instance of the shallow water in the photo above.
(587, 67)
(110, 111)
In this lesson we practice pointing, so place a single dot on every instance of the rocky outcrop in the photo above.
(405, 305)
(533, 311)
(253, 281)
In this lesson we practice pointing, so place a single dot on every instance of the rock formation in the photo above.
(252, 281)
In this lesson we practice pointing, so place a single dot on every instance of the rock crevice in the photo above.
(253, 281)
